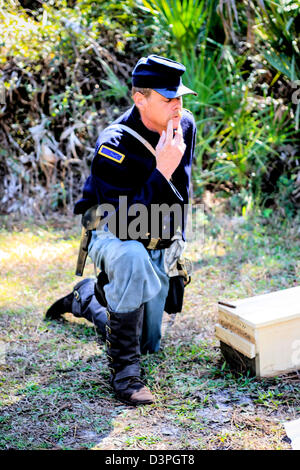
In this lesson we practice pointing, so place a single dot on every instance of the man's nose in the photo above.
(177, 102)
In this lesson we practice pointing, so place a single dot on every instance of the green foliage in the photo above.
(242, 122)
(183, 19)
(116, 88)
(244, 149)
(278, 24)
(65, 72)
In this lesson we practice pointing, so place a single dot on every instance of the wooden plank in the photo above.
(266, 309)
(237, 325)
(235, 341)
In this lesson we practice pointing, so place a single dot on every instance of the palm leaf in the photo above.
(282, 63)
(184, 18)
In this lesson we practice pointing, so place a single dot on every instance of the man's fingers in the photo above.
(169, 136)
(167, 139)
(179, 129)
(178, 135)
(162, 137)
(161, 141)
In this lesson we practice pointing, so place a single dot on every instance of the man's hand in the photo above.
(169, 150)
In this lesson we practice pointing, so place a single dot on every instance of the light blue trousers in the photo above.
(136, 276)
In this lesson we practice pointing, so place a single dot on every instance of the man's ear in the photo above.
(139, 100)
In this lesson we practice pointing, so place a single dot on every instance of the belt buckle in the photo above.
(153, 243)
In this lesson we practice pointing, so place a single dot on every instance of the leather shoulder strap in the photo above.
(134, 134)
(147, 145)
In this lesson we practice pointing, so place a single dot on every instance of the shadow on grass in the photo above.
(55, 391)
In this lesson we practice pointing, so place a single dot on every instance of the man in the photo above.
(128, 176)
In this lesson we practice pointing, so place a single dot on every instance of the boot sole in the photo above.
(134, 403)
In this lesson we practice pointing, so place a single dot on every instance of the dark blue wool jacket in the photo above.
(123, 166)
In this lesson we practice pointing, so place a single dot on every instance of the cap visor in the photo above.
(175, 92)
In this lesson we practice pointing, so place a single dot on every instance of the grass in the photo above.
(54, 391)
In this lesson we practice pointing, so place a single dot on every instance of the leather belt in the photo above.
(157, 244)
(153, 243)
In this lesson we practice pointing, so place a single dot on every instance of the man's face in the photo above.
(156, 111)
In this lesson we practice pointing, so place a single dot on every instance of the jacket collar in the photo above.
(135, 122)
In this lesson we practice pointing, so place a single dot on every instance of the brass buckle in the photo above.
(108, 329)
(108, 344)
(153, 243)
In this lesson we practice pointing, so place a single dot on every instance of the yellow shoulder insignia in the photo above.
(111, 154)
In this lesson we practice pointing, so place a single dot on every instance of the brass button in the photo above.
(76, 295)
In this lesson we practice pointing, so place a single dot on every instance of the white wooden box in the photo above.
(262, 333)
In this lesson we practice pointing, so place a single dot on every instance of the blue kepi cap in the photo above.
(161, 75)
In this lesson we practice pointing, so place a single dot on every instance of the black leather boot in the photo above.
(61, 306)
(82, 303)
(123, 352)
